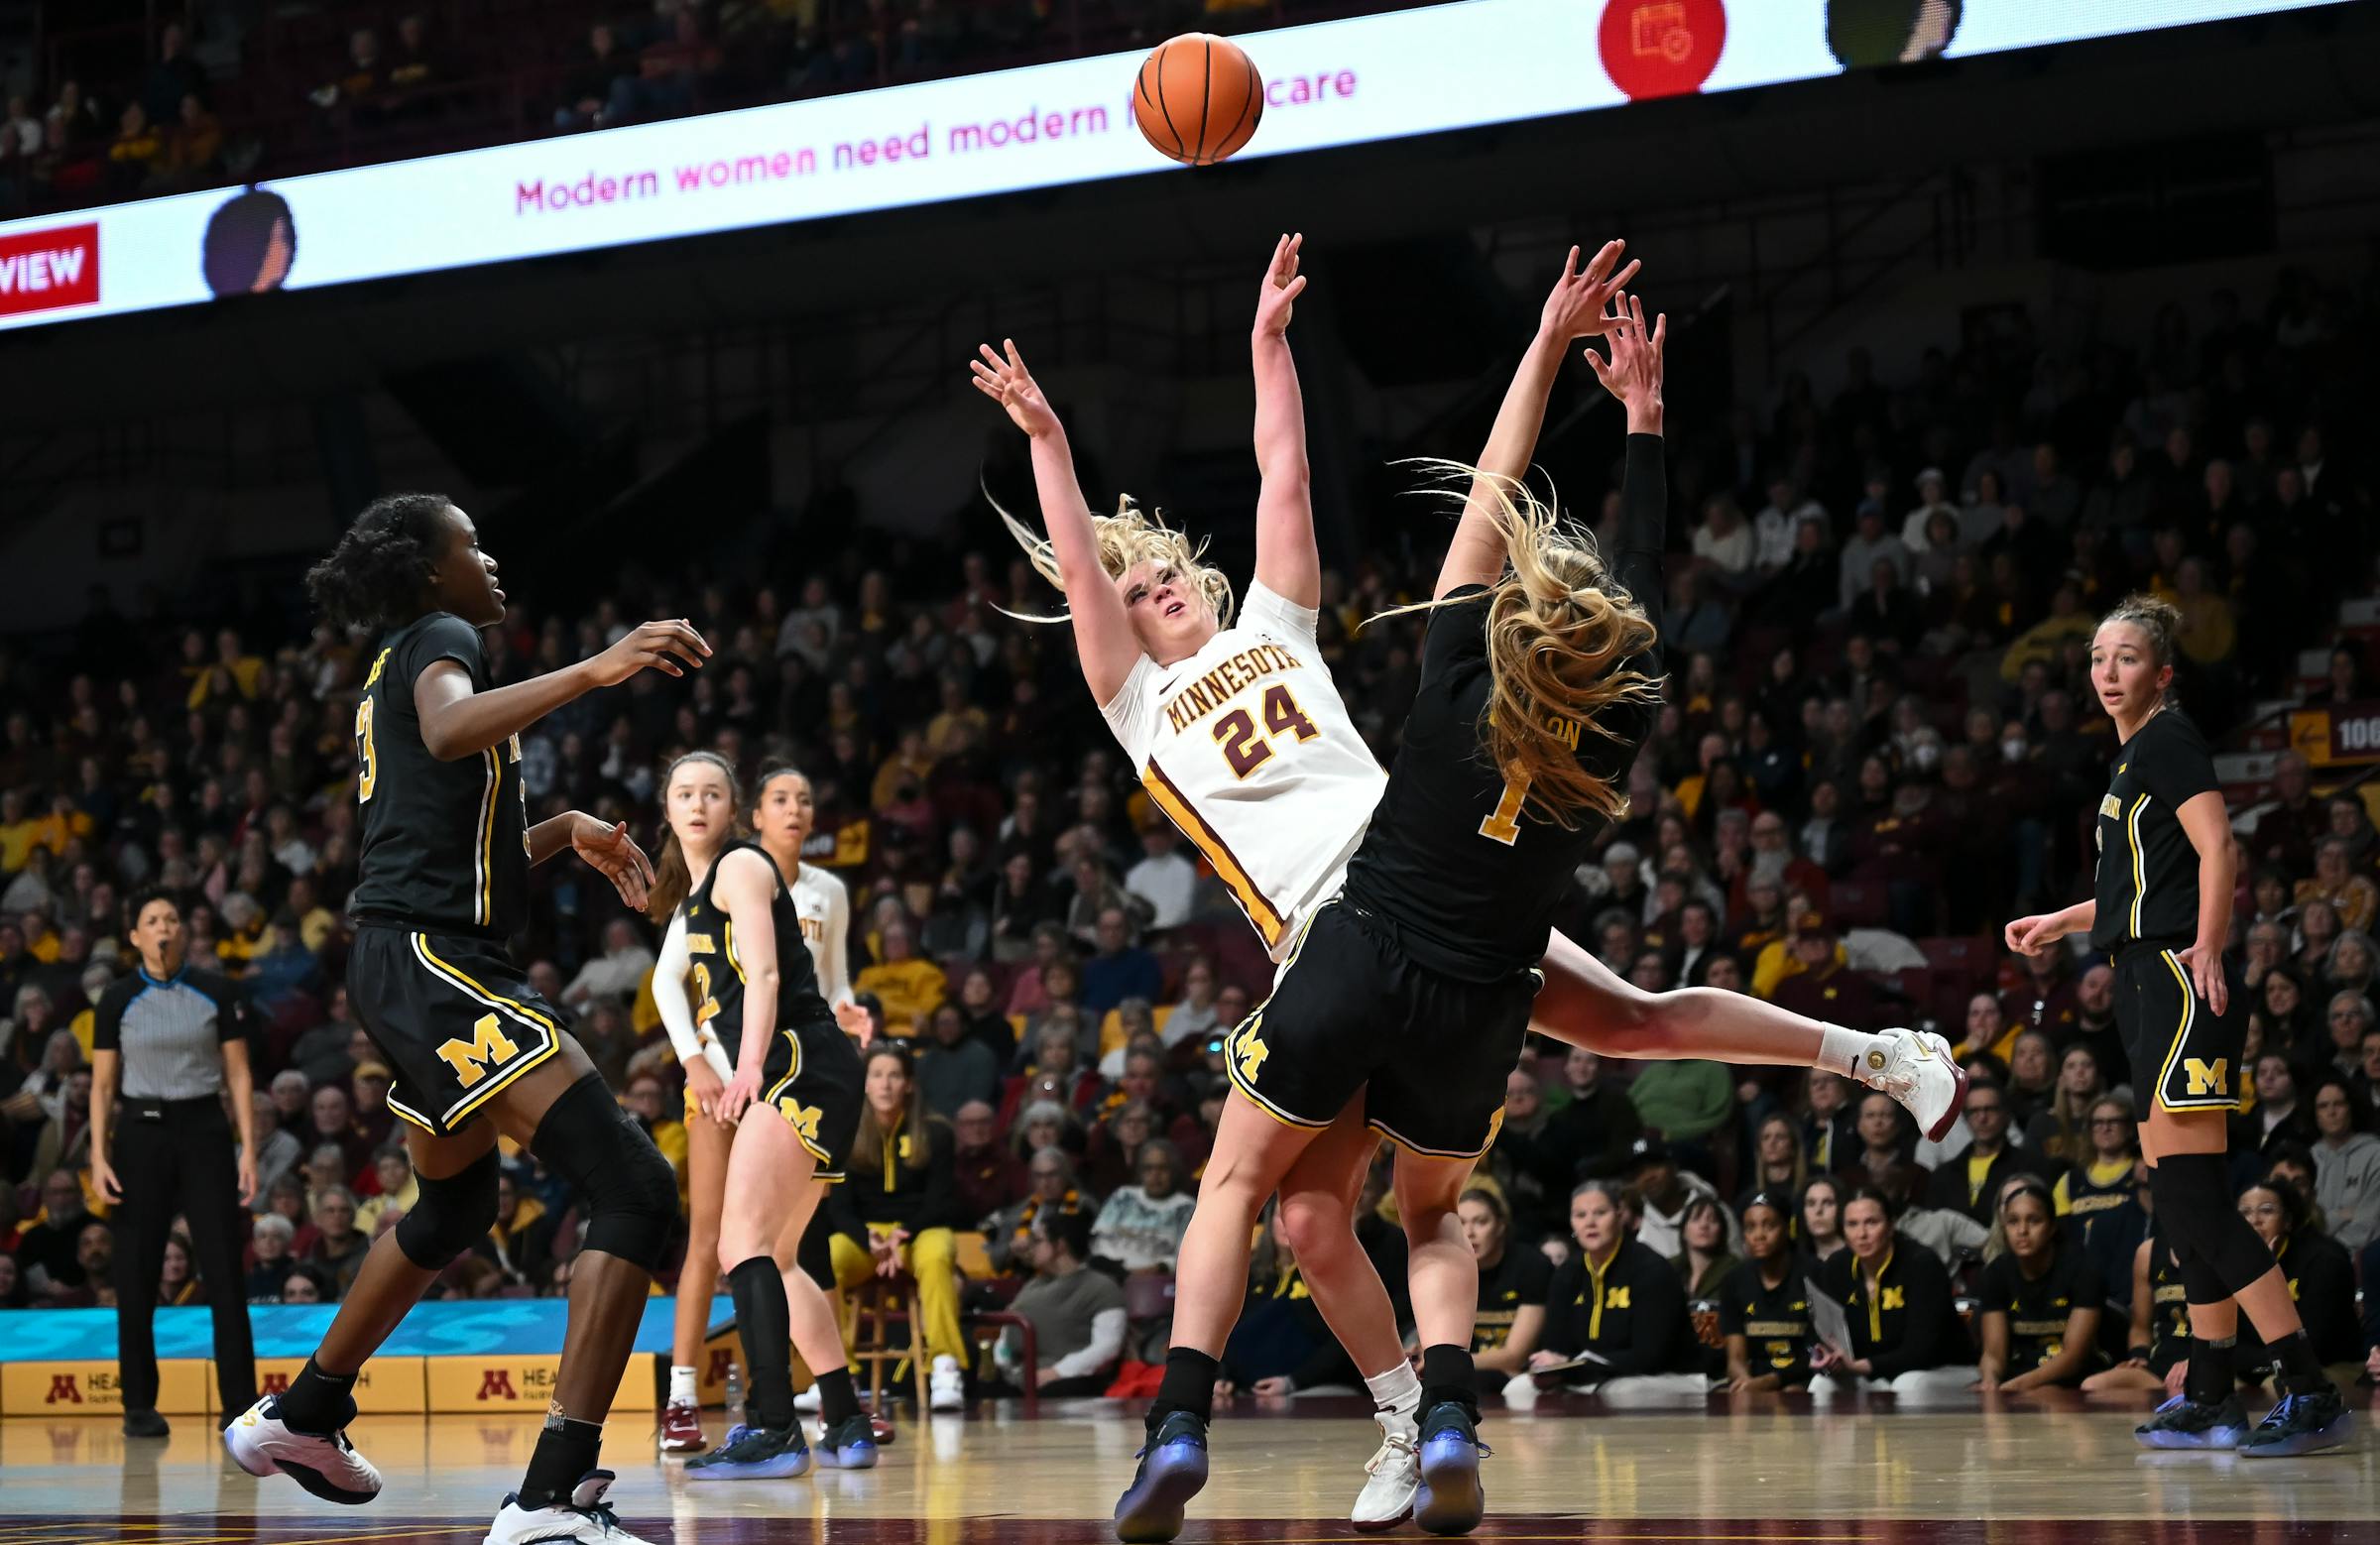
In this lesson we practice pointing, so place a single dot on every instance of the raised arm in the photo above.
(458, 721)
(1633, 374)
(1575, 309)
(1287, 561)
(1102, 633)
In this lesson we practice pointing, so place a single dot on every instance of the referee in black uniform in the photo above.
(173, 1042)
(2161, 911)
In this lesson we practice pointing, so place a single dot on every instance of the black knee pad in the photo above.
(627, 1189)
(2201, 1284)
(2193, 1193)
(450, 1215)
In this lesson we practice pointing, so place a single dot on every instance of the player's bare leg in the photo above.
(707, 1145)
(1585, 1004)
(1318, 1203)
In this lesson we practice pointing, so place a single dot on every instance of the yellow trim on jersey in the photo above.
(1415, 1148)
(485, 857)
(549, 1034)
(2218, 1101)
(2140, 883)
(727, 941)
(778, 1088)
(1262, 913)
(398, 1107)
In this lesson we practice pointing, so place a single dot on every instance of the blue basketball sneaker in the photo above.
(1173, 1468)
(1450, 1499)
(2301, 1424)
(754, 1454)
(2184, 1423)
(849, 1445)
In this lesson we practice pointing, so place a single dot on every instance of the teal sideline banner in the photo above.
(464, 1328)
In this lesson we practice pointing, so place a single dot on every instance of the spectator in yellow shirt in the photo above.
(910, 989)
(232, 674)
(910, 765)
(18, 832)
(62, 825)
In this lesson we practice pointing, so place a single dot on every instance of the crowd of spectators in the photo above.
(1879, 743)
(371, 82)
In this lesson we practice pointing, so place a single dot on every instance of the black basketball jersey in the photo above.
(718, 970)
(445, 844)
(1468, 878)
(2148, 882)
(2037, 1307)
(1773, 1321)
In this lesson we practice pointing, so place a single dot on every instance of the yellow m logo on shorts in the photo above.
(806, 1118)
(488, 1048)
(1894, 1298)
(2205, 1078)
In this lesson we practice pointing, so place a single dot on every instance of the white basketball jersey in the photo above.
(1246, 745)
(824, 907)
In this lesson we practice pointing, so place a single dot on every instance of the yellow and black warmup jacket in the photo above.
(1907, 1321)
(1520, 1277)
(1630, 1312)
(2169, 1310)
(1773, 1321)
(2037, 1307)
(2322, 1278)
(1280, 1334)
(910, 1183)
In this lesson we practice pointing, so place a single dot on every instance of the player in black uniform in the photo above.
(798, 1078)
(442, 885)
(2041, 1300)
(2162, 912)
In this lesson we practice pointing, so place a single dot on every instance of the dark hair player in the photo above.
(442, 884)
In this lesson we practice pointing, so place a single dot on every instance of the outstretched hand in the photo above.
(1581, 297)
(1006, 381)
(671, 646)
(1277, 296)
(1632, 373)
(613, 851)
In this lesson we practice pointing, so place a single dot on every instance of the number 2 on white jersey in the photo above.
(1503, 822)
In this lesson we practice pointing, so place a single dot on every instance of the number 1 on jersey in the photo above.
(1503, 822)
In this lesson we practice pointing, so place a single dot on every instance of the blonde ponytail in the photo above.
(1560, 633)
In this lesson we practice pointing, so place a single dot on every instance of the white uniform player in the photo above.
(1248, 747)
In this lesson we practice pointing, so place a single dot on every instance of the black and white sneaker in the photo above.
(325, 1463)
(584, 1520)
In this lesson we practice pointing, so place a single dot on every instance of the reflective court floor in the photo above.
(1756, 1472)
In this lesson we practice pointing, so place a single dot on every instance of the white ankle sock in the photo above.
(1397, 1392)
(683, 1385)
(1844, 1051)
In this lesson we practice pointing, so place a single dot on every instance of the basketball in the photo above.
(1199, 98)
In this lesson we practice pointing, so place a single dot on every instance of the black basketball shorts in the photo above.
(456, 1019)
(813, 1077)
(1350, 1012)
(2185, 1057)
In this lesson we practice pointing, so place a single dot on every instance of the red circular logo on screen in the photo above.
(1662, 47)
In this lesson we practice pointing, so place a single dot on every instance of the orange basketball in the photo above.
(1199, 98)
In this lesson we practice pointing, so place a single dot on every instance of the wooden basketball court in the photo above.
(2056, 1471)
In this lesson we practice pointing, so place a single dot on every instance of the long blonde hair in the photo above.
(1129, 536)
(673, 879)
(1560, 632)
